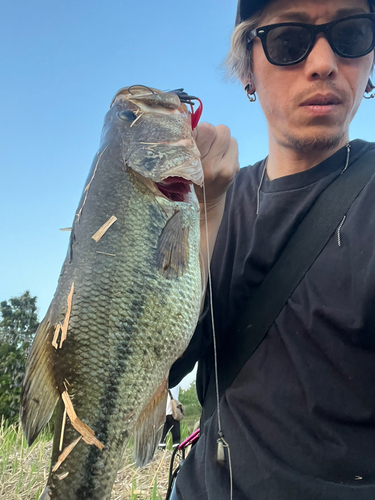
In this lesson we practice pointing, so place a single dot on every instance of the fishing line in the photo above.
(222, 444)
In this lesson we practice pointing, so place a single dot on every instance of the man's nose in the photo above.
(322, 61)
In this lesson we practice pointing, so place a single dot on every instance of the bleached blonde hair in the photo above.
(239, 61)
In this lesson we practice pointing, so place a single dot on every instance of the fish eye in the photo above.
(126, 115)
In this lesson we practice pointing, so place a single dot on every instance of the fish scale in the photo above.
(130, 317)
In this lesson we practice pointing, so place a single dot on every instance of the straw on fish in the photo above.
(101, 232)
(63, 328)
(56, 335)
(87, 434)
(66, 453)
(62, 430)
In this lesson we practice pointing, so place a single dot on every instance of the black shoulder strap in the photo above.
(295, 260)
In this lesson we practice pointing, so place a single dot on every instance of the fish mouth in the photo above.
(169, 170)
(175, 188)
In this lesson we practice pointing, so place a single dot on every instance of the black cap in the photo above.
(246, 8)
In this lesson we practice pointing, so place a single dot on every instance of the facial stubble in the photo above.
(313, 143)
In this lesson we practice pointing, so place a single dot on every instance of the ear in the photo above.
(369, 87)
(249, 88)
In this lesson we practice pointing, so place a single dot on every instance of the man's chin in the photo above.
(317, 142)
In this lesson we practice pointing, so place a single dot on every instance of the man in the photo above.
(300, 416)
(170, 423)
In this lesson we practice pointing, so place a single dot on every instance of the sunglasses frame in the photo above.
(314, 29)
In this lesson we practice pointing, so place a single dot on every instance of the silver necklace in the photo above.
(348, 146)
(260, 185)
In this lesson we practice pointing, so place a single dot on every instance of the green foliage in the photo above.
(22, 469)
(186, 429)
(18, 325)
(189, 399)
(155, 493)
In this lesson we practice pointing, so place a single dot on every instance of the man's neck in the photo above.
(284, 160)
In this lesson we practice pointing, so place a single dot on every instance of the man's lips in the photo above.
(322, 100)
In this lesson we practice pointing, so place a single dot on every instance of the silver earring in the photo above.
(253, 97)
(250, 95)
(371, 86)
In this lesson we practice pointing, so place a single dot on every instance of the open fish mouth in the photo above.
(175, 188)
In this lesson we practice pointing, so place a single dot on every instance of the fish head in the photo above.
(154, 135)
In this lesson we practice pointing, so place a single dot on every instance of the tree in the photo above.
(17, 329)
(189, 399)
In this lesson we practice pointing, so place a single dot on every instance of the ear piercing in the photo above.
(370, 86)
(250, 91)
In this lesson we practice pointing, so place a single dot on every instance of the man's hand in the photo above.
(219, 156)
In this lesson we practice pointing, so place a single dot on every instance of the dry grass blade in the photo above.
(87, 434)
(63, 476)
(62, 430)
(64, 327)
(56, 335)
(101, 232)
(24, 471)
(66, 453)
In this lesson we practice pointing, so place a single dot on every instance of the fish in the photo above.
(127, 300)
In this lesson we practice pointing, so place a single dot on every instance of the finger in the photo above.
(223, 172)
(221, 143)
(230, 164)
(205, 137)
(231, 156)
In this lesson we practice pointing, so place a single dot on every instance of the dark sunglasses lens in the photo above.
(287, 44)
(353, 37)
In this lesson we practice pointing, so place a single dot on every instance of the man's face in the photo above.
(287, 94)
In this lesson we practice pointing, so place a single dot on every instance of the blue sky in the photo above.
(61, 63)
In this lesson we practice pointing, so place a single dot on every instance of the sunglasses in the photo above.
(285, 44)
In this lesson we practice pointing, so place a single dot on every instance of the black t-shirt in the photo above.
(300, 416)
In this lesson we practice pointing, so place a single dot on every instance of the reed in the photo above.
(24, 471)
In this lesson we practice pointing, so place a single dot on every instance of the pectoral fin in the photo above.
(39, 391)
(173, 247)
(149, 426)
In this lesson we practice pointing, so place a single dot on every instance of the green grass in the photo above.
(24, 471)
(21, 467)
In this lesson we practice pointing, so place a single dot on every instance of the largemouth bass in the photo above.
(127, 300)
